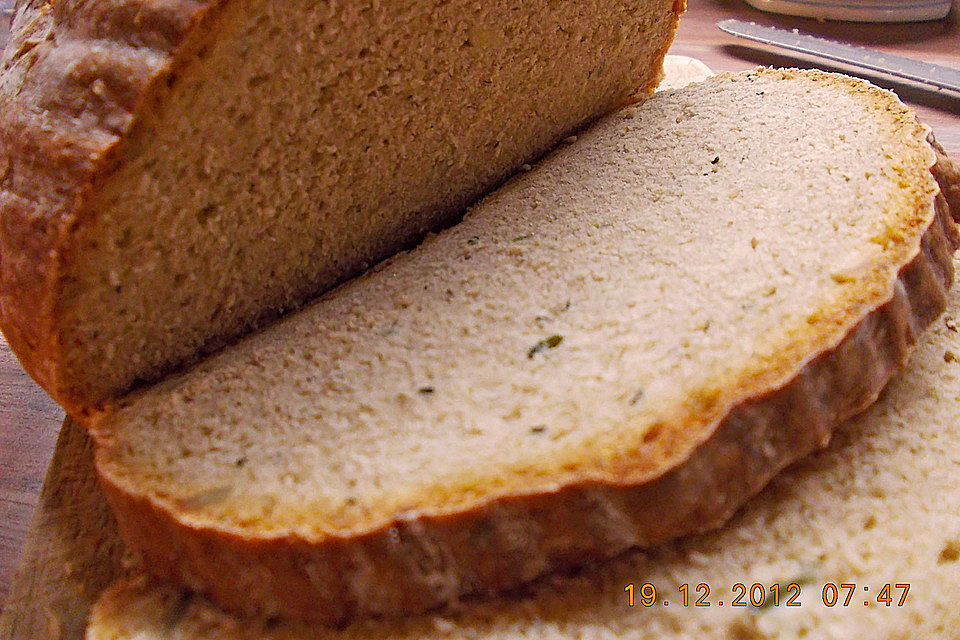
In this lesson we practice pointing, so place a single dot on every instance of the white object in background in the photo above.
(679, 71)
(858, 10)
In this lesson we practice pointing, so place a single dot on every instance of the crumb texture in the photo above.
(173, 174)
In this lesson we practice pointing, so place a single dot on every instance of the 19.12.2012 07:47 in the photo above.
(760, 596)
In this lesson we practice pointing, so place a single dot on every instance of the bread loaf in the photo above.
(616, 348)
(174, 173)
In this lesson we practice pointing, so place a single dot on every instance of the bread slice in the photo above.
(174, 173)
(878, 507)
(614, 349)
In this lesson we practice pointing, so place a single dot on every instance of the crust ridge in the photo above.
(72, 79)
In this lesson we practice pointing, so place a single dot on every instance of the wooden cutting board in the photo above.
(73, 551)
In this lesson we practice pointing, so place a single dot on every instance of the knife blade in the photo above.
(935, 75)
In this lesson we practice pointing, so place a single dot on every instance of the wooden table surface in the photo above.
(29, 421)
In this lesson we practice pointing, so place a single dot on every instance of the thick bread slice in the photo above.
(614, 349)
(174, 172)
(880, 506)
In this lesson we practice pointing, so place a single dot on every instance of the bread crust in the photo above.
(420, 561)
(76, 79)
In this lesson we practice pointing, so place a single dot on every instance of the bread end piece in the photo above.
(159, 199)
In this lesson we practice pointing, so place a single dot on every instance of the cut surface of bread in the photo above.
(616, 348)
(174, 173)
(879, 506)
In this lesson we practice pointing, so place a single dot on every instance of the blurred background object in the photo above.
(939, 77)
(859, 10)
(6, 14)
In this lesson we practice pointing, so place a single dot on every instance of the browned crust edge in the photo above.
(947, 174)
(419, 561)
(75, 79)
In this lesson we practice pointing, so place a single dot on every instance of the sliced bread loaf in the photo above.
(879, 507)
(614, 349)
(173, 173)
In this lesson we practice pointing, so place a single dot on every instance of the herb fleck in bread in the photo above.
(174, 173)
(879, 506)
(616, 348)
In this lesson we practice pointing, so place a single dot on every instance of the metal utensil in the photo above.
(927, 73)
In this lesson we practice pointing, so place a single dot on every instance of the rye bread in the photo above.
(174, 173)
(617, 348)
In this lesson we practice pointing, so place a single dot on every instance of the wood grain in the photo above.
(29, 421)
(73, 551)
